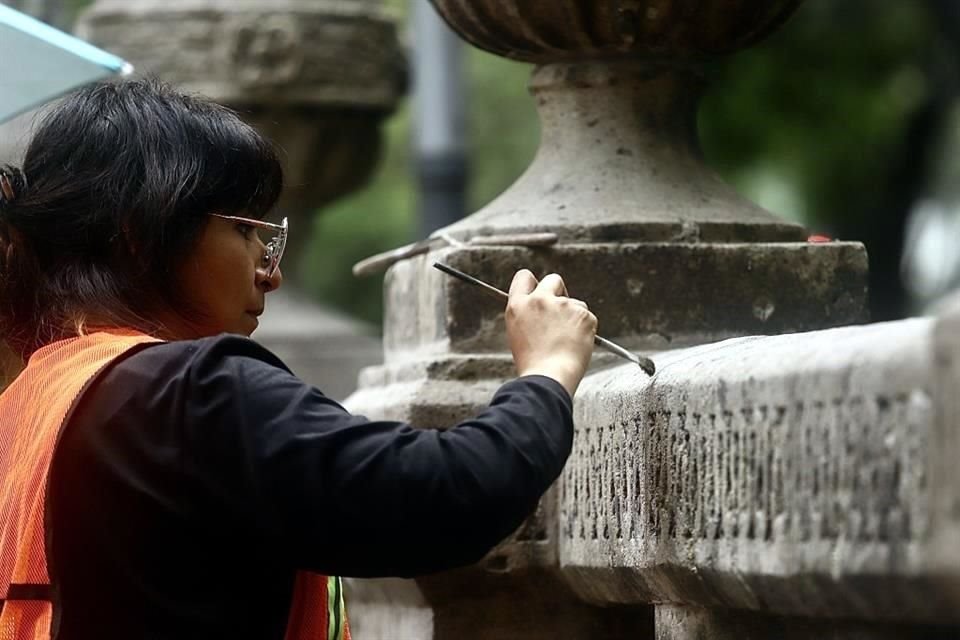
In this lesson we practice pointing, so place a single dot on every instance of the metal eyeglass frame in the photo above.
(274, 252)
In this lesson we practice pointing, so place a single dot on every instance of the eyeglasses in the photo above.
(274, 236)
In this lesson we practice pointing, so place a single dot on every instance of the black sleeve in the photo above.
(340, 494)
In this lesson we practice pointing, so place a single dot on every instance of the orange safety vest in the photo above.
(33, 410)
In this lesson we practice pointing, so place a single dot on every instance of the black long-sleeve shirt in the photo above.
(195, 478)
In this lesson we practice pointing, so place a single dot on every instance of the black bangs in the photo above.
(241, 170)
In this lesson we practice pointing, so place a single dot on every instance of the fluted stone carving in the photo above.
(544, 32)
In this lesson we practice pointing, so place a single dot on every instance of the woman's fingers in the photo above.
(553, 285)
(549, 333)
(523, 283)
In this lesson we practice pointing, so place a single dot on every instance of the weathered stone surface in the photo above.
(246, 52)
(388, 608)
(422, 393)
(781, 474)
(785, 474)
(551, 30)
(648, 296)
(694, 623)
(528, 604)
(945, 449)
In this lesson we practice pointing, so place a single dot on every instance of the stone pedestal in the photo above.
(663, 251)
(318, 77)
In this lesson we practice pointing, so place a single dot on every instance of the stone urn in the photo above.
(617, 88)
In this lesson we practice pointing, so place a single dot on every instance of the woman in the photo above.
(161, 474)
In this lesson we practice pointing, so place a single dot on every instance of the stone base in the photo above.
(387, 609)
(533, 604)
(648, 296)
(693, 623)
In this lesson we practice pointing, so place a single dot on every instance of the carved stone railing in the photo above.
(788, 476)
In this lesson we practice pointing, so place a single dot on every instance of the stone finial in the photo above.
(618, 89)
(547, 31)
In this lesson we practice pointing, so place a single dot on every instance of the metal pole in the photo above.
(439, 119)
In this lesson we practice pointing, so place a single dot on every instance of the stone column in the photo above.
(316, 76)
(665, 253)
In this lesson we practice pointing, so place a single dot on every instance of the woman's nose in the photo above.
(271, 282)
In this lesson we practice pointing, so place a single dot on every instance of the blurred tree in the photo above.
(842, 110)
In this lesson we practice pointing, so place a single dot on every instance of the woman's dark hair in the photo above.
(113, 194)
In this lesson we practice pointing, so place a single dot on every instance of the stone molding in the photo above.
(715, 291)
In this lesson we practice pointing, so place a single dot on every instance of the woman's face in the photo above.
(224, 277)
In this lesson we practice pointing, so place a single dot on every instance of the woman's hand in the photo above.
(549, 333)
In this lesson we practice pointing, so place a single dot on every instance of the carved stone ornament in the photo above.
(268, 52)
(319, 52)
